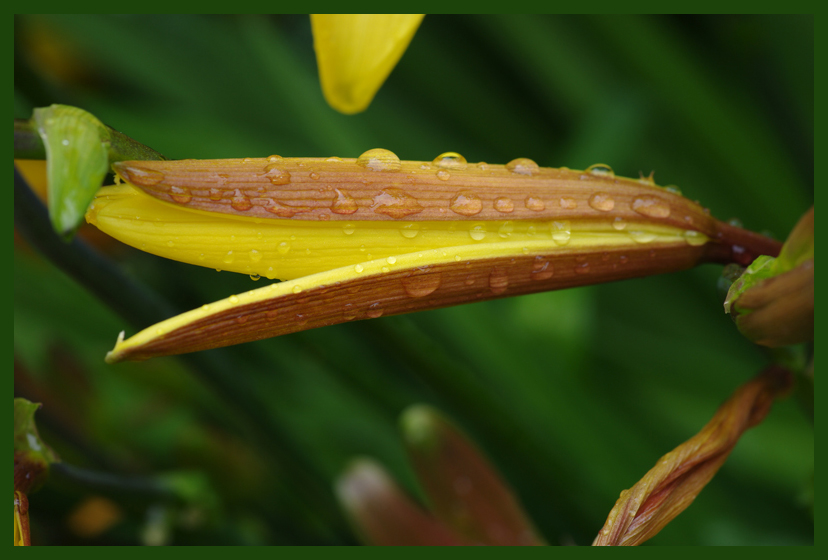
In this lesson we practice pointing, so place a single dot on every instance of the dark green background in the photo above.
(573, 395)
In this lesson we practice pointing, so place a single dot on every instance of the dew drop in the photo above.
(255, 255)
(379, 159)
(457, 258)
(391, 260)
(466, 203)
(443, 175)
(523, 166)
(483, 166)
(421, 282)
(313, 175)
(170, 243)
(695, 238)
(561, 232)
(349, 312)
(240, 202)
(276, 175)
(255, 277)
(385, 269)
(141, 177)
(651, 206)
(533, 203)
(569, 203)
(215, 194)
(450, 160)
(478, 232)
(300, 319)
(582, 268)
(601, 170)
(333, 159)
(504, 204)
(542, 269)
(297, 289)
(274, 158)
(180, 195)
(498, 280)
(374, 310)
(358, 268)
(735, 222)
(506, 230)
(283, 247)
(619, 224)
(673, 189)
(602, 202)
(395, 203)
(348, 229)
(233, 299)
(641, 236)
(229, 257)
(410, 231)
(343, 203)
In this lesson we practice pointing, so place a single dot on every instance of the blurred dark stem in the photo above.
(147, 487)
(299, 480)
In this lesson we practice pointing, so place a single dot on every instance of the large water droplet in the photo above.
(534, 203)
(274, 158)
(651, 206)
(286, 211)
(498, 280)
(601, 170)
(504, 204)
(542, 269)
(391, 260)
(478, 232)
(466, 203)
(276, 174)
(395, 203)
(641, 236)
(240, 202)
(283, 247)
(450, 160)
(374, 310)
(379, 159)
(215, 194)
(568, 203)
(181, 195)
(523, 166)
(255, 255)
(695, 238)
(297, 289)
(141, 177)
(410, 231)
(602, 202)
(561, 232)
(255, 277)
(344, 203)
(506, 229)
(348, 229)
(619, 224)
(443, 175)
(358, 268)
(233, 299)
(421, 282)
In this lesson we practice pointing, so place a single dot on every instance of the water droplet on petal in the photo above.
(561, 232)
(240, 202)
(641, 236)
(421, 282)
(673, 189)
(374, 310)
(619, 224)
(215, 194)
(601, 170)
(274, 158)
(313, 175)
(582, 268)
(170, 243)
(533, 203)
(410, 231)
(450, 160)
(276, 175)
(358, 268)
(141, 177)
(255, 277)
(395, 203)
(348, 229)
(694, 238)
(498, 280)
(233, 299)
(443, 175)
(379, 159)
(391, 260)
(301, 319)
(504, 204)
(735, 222)
(569, 203)
(349, 312)
(283, 247)
(229, 257)
(180, 195)
(255, 255)
(506, 229)
(523, 166)
(651, 206)
(344, 203)
(542, 269)
(297, 289)
(478, 232)
(602, 202)
(466, 203)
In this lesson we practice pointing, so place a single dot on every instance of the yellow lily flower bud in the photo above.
(356, 53)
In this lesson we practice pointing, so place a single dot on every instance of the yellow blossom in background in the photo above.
(356, 53)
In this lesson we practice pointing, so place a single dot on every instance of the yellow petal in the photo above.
(356, 53)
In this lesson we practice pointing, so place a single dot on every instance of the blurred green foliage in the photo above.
(572, 394)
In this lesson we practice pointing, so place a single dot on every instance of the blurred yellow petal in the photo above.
(356, 53)
(678, 477)
(21, 520)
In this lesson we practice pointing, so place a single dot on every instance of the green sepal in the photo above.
(32, 456)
